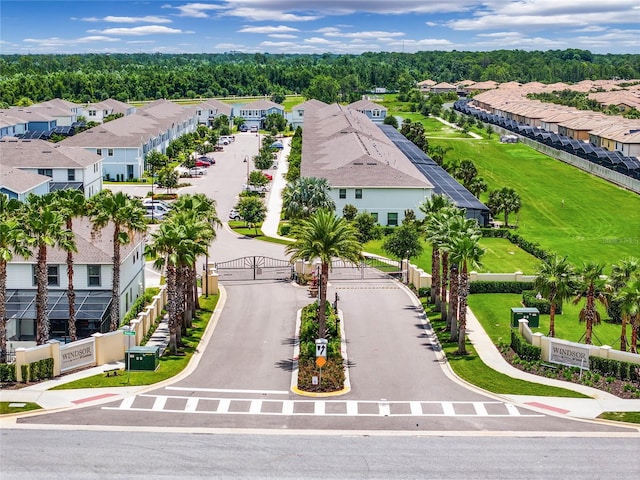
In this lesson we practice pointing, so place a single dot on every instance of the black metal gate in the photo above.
(254, 268)
(367, 269)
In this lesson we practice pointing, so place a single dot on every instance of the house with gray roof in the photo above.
(18, 184)
(363, 167)
(96, 112)
(210, 109)
(296, 116)
(64, 166)
(92, 280)
(374, 112)
(255, 113)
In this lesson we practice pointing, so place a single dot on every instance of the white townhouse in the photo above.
(92, 281)
(363, 167)
(296, 117)
(64, 112)
(57, 166)
(11, 125)
(18, 184)
(210, 109)
(96, 112)
(255, 113)
(124, 143)
(374, 112)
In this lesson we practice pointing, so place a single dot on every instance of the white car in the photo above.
(156, 212)
(234, 214)
(151, 201)
(197, 171)
(256, 188)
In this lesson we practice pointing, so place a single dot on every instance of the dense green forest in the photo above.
(135, 77)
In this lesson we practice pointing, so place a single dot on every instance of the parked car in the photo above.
(151, 201)
(197, 171)
(203, 163)
(277, 145)
(256, 188)
(243, 128)
(254, 129)
(268, 175)
(234, 214)
(156, 211)
(207, 160)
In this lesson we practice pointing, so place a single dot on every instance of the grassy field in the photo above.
(563, 209)
(501, 256)
(493, 311)
(5, 409)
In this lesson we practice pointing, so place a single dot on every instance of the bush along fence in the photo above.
(530, 247)
(530, 299)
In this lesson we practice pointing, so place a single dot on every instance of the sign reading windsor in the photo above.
(566, 353)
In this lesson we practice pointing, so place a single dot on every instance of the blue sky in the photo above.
(317, 26)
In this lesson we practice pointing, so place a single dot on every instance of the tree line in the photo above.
(139, 77)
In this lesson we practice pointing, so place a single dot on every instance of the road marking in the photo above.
(548, 407)
(91, 399)
(339, 408)
(229, 390)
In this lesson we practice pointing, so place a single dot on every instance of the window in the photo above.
(92, 113)
(375, 216)
(45, 171)
(110, 152)
(375, 113)
(71, 175)
(392, 219)
(301, 113)
(99, 151)
(343, 193)
(358, 193)
(199, 112)
(93, 272)
(53, 277)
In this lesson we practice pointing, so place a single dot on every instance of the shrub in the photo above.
(285, 228)
(614, 368)
(542, 304)
(499, 287)
(7, 372)
(24, 372)
(523, 349)
(138, 306)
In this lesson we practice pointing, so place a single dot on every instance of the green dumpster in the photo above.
(142, 358)
(530, 314)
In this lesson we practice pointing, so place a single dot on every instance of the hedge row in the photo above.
(309, 332)
(530, 247)
(523, 349)
(7, 372)
(38, 370)
(499, 287)
(614, 368)
(542, 304)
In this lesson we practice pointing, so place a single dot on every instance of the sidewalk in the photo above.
(274, 204)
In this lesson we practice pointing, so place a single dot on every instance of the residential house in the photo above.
(16, 183)
(92, 280)
(374, 112)
(97, 112)
(296, 117)
(443, 87)
(425, 85)
(363, 167)
(211, 109)
(64, 166)
(64, 112)
(255, 113)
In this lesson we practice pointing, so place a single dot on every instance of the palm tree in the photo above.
(621, 275)
(46, 227)
(306, 195)
(592, 289)
(324, 236)
(629, 298)
(465, 251)
(554, 281)
(506, 201)
(430, 208)
(127, 217)
(70, 204)
(12, 241)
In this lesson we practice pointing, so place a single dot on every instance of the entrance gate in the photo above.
(254, 268)
(369, 268)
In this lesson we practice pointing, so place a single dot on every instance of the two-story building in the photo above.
(92, 281)
(56, 167)
(97, 112)
(210, 109)
(374, 112)
(255, 113)
(296, 116)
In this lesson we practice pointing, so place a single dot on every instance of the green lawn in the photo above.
(28, 406)
(501, 256)
(493, 311)
(563, 208)
(170, 365)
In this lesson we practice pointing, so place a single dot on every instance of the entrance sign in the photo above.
(321, 347)
(77, 354)
(571, 354)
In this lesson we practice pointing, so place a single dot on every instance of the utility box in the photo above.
(142, 358)
(530, 314)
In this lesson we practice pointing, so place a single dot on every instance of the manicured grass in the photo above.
(493, 311)
(433, 128)
(628, 417)
(501, 256)
(170, 365)
(597, 222)
(28, 406)
(241, 229)
(472, 369)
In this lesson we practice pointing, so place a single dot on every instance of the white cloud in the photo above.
(113, 19)
(319, 41)
(259, 15)
(281, 35)
(268, 29)
(55, 41)
(370, 34)
(147, 30)
(195, 10)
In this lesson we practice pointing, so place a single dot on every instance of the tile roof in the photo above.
(20, 181)
(42, 154)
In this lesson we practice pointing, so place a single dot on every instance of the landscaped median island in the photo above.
(331, 377)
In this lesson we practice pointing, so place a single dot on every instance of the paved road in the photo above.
(243, 379)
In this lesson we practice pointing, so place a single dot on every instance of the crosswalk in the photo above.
(222, 405)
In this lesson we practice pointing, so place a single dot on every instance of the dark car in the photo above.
(243, 128)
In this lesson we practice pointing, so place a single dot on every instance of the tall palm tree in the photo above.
(465, 251)
(554, 281)
(629, 298)
(592, 288)
(306, 195)
(324, 236)
(70, 204)
(430, 208)
(46, 227)
(13, 241)
(127, 217)
(621, 275)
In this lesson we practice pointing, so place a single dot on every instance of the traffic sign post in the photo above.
(129, 333)
(321, 357)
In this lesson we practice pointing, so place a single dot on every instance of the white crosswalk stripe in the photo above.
(303, 407)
